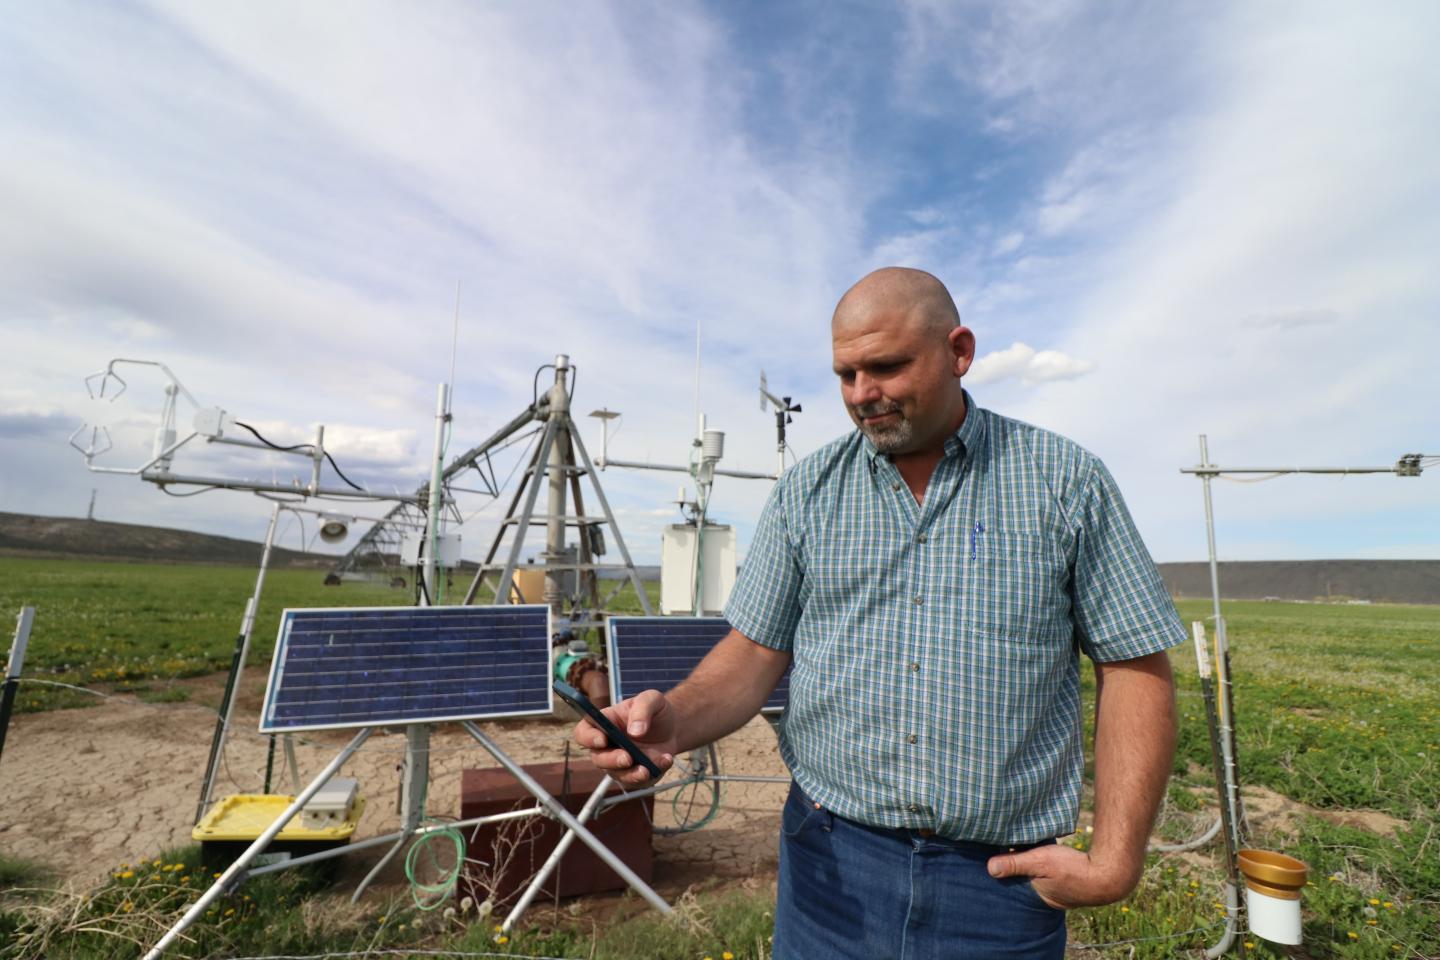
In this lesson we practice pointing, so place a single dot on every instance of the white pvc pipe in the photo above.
(236, 870)
(567, 818)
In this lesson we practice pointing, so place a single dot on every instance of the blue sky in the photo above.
(1159, 219)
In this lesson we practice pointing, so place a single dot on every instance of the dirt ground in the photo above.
(83, 791)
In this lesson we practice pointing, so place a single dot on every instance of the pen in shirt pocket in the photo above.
(975, 532)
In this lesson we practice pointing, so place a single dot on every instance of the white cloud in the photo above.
(1228, 215)
(1020, 361)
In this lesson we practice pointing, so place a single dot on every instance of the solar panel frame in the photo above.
(679, 659)
(296, 658)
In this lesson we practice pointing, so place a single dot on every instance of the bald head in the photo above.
(902, 295)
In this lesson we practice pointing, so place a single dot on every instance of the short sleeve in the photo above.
(765, 604)
(1122, 609)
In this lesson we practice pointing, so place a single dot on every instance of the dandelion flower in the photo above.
(1124, 909)
(127, 874)
(1353, 935)
(727, 955)
(1374, 902)
(502, 939)
(1249, 944)
(1371, 922)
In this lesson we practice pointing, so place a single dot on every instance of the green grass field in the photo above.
(1338, 710)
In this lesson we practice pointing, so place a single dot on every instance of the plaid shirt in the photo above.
(936, 679)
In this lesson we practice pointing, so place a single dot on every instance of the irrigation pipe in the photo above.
(1195, 844)
(1232, 921)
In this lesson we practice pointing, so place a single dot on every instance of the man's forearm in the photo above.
(725, 690)
(1134, 748)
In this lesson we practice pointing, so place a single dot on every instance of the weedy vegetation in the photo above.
(1338, 711)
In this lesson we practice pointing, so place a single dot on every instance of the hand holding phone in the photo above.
(613, 734)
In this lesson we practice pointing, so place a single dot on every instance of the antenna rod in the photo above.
(431, 571)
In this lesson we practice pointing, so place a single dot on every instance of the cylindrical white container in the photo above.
(1273, 883)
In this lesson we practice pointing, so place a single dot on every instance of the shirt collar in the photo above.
(958, 444)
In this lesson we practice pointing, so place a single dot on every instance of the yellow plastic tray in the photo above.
(244, 816)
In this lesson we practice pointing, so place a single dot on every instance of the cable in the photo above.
(194, 493)
(535, 384)
(303, 446)
(524, 457)
(1168, 936)
(450, 876)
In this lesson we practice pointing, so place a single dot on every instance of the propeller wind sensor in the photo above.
(783, 409)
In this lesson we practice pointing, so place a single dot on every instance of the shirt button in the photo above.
(921, 539)
(914, 666)
(914, 808)
(895, 485)
(919, 599)
(911, 739)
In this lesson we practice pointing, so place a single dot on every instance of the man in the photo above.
(932, 579)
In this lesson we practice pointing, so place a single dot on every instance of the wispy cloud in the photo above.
(1181, 218)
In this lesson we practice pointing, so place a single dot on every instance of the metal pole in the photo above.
(614, 527)
(547, 439)
(1210, 529)
(237, 667)
(236, 870)
(556, 465)
(553, 861)
(24, 620)
(387, 838)
(1217, 752)
(567, 818)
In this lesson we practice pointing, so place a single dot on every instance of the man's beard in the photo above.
(891, 437)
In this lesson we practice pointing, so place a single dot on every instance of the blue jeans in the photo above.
(852, 891)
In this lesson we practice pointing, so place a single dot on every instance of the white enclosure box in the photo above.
(411, 545)
(331, 805)
(677, 568)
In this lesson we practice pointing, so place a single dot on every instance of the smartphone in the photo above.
(613, 734)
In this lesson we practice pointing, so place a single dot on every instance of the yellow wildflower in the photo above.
(1353, 935)
(502, 939)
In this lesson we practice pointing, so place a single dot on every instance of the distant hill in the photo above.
(27, 536)
(1381, 581)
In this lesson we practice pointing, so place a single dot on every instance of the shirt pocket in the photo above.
(1021, 587)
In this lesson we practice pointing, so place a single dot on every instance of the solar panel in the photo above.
(658, 652)
(374, 666)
